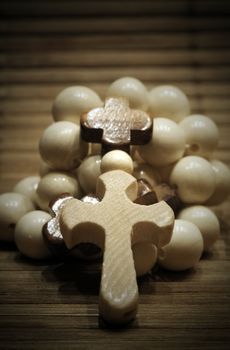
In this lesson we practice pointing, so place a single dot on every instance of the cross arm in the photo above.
(79, 222)
(89, 132)
(156, 223)
(141, 128)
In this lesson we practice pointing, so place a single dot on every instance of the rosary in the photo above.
(128, 181)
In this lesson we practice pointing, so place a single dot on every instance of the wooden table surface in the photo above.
(49, 45)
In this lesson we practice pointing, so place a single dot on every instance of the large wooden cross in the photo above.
(115, 224)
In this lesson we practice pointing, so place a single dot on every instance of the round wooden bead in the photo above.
(115, 160)
(53, 185)
(132, 89)
(205, 220)
(88, 173)
(222, 180)
(28, 235)
(28, 187)
(167, 144)
(12, 207)
(185, 248)
(201, 135)
(73, 101)
(194, 179)
(144, 256)
(61, 146)
(147, 172)
(168, 101)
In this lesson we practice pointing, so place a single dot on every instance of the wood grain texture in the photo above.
(48, 45)
(124, 224)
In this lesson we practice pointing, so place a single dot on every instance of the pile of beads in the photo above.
(180, 153)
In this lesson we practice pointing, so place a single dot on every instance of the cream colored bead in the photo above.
(61, 146)
(53, 185)
(132, 89)
(222, 180)
(167, 144)
(185, 248)
(147, 172)
(144, 256)
(168, 101)
(12, 207)
(28, 235)
(73, 101)
(194, 178)
(28, 187)
(88, 173)
(201, 135)
(116, 160)
(205, 220)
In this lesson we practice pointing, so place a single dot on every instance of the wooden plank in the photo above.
(98, 58)
(90, 8)
(116, 41)
(211, 6)
(118, 7)
(158, 344)
(77, 276)
(158, 315)
(109, 25)
(106, 75)
(143, 335)
(97, 41)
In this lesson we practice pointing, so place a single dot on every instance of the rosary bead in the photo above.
(201, 135)
(205, 220)
(73, 101)
(167, 144)
(168, 101)
(222, 180)
(185, 248)
(61, 146)
(12, 207)
(28, 187)
(194, 179)
(132, 89)
(53, 185)
(88, 173)
(28, 235)
(116, 160)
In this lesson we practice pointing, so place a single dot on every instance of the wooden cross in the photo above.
(116, 126)
(115, 224)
